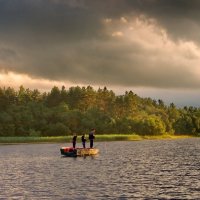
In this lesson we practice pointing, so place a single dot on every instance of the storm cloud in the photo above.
(148, 43)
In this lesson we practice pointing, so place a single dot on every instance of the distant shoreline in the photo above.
(106, 137)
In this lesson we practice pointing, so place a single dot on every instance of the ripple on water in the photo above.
(123, 170)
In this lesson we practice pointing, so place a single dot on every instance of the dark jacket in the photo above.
(74, 138)
(91, 136)
(83, 138)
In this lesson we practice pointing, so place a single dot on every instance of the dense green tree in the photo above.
(63, 94)
(24, 95)
(105, 99)
(96, 118)
(119, 107)
(57, 129)
(54, 98)
(7, 128)
(8, 97)
(184, 125)
(130, 103)
(153, 125)
(60, 112)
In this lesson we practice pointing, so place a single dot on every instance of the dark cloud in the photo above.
(7, 55)
(79, 19)
(179, 17)
(68, 40)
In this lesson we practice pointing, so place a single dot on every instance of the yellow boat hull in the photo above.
(86, 151)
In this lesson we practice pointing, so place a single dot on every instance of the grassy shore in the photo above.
(106, 137)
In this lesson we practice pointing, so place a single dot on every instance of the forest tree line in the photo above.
(61, 112)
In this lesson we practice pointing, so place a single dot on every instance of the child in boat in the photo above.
(83, 140)
(91, 137)
(74, 140)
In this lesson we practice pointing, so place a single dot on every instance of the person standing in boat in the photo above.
(83, 140)
(91, 137)
(74, 140)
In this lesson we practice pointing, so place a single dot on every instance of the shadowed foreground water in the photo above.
(167, 169)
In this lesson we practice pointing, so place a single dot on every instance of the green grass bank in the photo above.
(67, 139)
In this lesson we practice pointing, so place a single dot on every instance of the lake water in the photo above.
(166, 169)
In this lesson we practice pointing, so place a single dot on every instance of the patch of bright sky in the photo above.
(16, 80)
(153, 39)
(178, 97)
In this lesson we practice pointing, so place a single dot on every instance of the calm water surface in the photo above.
(123, 170)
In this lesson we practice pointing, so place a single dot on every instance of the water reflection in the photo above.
(122, 170)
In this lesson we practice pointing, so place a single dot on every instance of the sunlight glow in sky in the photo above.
(16, 80)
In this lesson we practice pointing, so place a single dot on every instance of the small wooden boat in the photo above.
(74, 152)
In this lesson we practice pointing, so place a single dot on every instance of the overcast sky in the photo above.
(151, 47)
